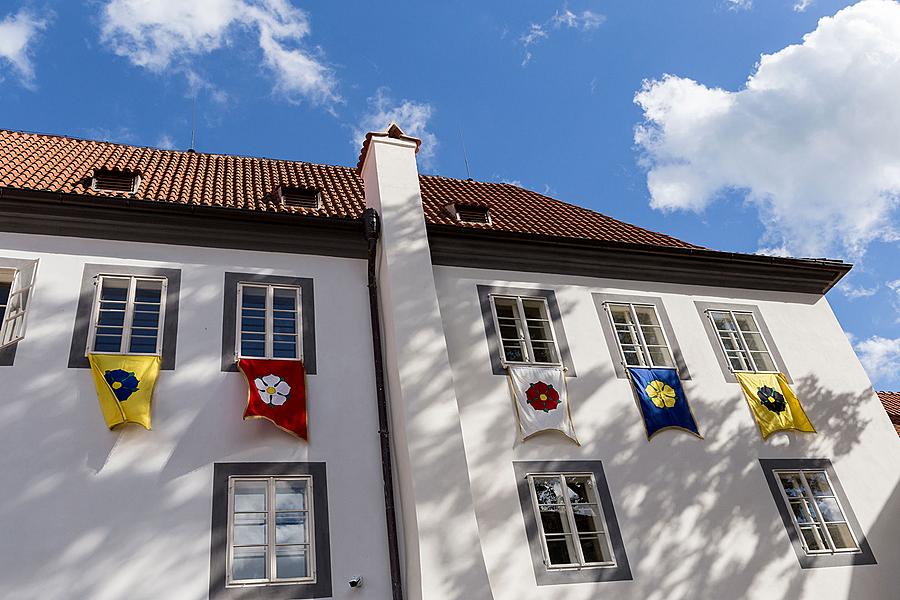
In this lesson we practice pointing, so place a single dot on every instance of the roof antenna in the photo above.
(193, 121)
(462, 141)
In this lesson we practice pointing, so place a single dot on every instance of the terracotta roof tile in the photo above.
(64, 164)
(891, 402)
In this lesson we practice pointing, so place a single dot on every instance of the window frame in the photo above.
(220, 520)
(596, 572)
(570, 516)
(269, 319)
(744, 351)
(127, 324)
(526, 336)
(643, 346)
(819, 521)
(271, 542)
(862, 556)
(16, 268)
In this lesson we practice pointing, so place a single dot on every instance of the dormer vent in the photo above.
(470, 213)
(120, 182)
(300, 197)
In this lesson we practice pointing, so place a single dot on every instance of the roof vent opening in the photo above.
(471, 213)
(123, 182)
(300, 197)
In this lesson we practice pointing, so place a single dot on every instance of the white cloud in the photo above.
(856, 291)
(412, 117)
(17, 34)
(586, 20)
(811, 139)
(880, 357)
(801, 5)
(740, 4)
(160, 34)
(165, 142)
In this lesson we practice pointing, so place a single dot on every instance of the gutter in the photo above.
(372, 224)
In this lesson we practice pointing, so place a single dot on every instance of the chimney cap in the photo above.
(392, 131)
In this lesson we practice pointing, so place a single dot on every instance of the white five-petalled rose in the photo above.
(273, 389)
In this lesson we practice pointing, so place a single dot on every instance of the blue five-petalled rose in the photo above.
(123, 383)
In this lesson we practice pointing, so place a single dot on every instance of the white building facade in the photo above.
(196, 506)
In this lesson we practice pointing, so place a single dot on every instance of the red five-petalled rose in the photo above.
(542, 396)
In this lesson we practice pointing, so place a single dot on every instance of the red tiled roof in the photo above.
(891, 402)
(63, 164)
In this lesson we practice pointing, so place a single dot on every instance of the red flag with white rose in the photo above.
(277, 392)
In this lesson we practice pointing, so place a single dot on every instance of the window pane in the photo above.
(660, 356)
(763, 361)
(548, 490)
(737, 362)
(252, 323)
(540, 331)
(111, 318)
(291, 562)
(633, 358)
(250, 496)
(290, 495)
(142, 344)
(509, 331)
(145, 315)
(553, 520)
(107, 343)
(818, 483)
(253, 297)
(626, 335)
(513, 352)
(755, 342)
(829, 509)
(802, 514)
(115, 290)
(284, 299)
(723, 321)
(595, 549)
(621, 314)
(534, 309)
(653, 336)
(791, 484)
(587, 518)
(544, 352)
(561, 550)
(284, 324)
(577, 488)
(248, 563)
(840, 535)
(646, 315)
(506, 307)
(746, 322)
(5, 286)
(811, 539)
(290, 528)
(249, 529)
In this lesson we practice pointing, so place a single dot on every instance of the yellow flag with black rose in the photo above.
(124, 387)
(773, 403)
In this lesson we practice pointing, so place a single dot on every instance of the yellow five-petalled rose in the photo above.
(661, 394)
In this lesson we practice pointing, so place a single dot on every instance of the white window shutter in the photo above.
(12, 330)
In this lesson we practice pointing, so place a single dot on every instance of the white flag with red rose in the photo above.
(541, 400)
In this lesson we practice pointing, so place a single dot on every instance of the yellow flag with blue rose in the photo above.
(124, 387)
(773, 403)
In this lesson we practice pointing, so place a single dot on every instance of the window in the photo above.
(128, 315)
(299, 197)
(570, 521)
(15, 292)
(268, 316)
(526, 334)
(470, 213)
(269, 322)
(742, 341)
(640, 335)
(816, 513)
(270, 534)
(115, 181)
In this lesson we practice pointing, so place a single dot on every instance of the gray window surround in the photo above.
(609, 334)
(77, 358)
(863, 557)
(321, 587)
(703, 307)
(307, 315)
(544, 576)
(493, 339)
(8, 354)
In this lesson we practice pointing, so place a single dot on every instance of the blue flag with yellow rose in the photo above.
(662, 401)
(124, 387)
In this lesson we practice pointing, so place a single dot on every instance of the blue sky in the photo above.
(567, 98)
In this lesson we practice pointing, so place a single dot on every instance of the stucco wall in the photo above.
(90, 513)
(697, 518)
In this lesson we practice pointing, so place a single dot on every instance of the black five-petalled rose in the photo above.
(771, 399)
